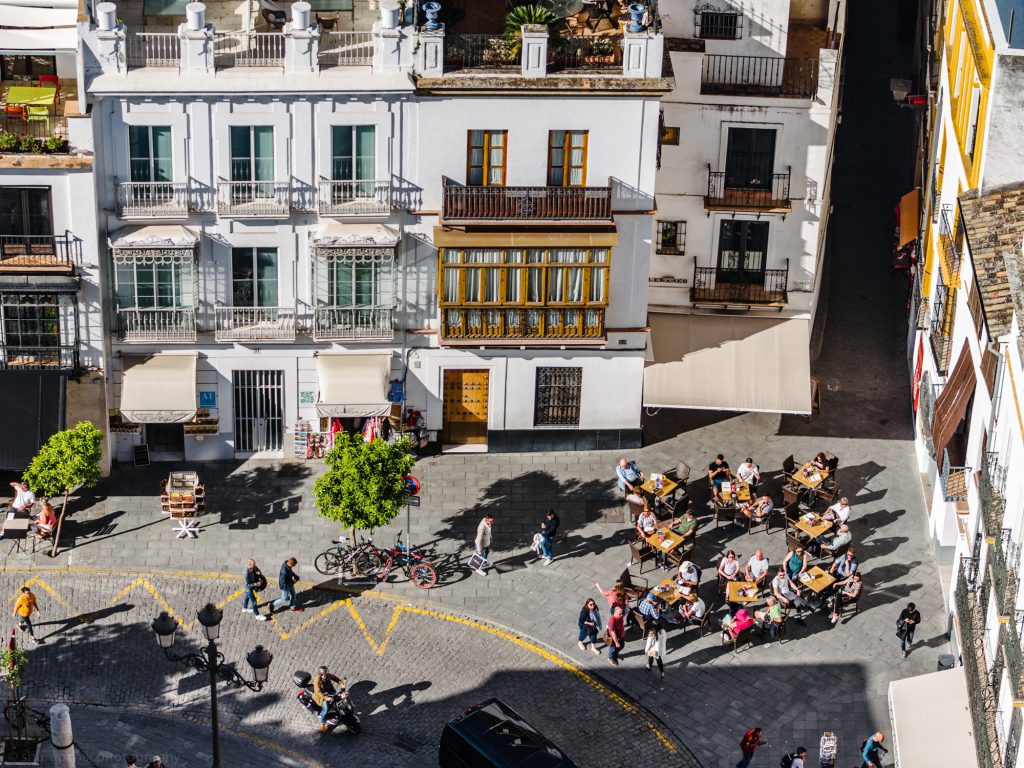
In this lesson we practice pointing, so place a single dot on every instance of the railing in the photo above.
(954, 480)
(40, 127)
(770, 193)
(346, 49)
(926, 409)
(157, 324)
(248, 49)
(587, 52)
(59, 357)
(151, 199)
(1003, 571)
(735, 286)
(253, 198)
(479, 52)
(991, 491)
(153, 49)
(465, 323)
(941, 334)
(355, 198)
(255, 323)
(526, 204)
(971, 624)
(1011, 637)
(25, 253)
(759, 76)
(950, 253)
(352, 323)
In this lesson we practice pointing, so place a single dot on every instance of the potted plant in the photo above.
(602, 51)
(500, 51)
(525, 15)
(28, 144)
(53, 144)
(8, 142)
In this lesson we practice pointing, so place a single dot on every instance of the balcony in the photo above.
(355, 198)
(954, 480)
(248, 49)
(948, 251)
(157, 324)
(346, 49)
(770, 76)
(940, 333)
(991, 491)
(715, 285)
(509, 324)
(970, 618)
(526, 205)
(1003, 571)
(253, 198)
(39, 253)
(353, 323)
(255, 324)
(1011, 637)
(152, 200)
(153, 49)
(59, 357)
(770, 195)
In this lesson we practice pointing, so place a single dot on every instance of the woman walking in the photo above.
(548, 529)
(590, 625)
(655, 646)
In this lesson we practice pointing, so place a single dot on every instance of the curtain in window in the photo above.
(514, 278)
(451, 285)
(556, 172)
(566, 284)
(576, 158)
(496, 159)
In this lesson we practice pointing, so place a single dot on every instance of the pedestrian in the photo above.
(286, 580)
(255, 582)
(156, 762)
(23, 608)
(751, 740)
(129, 761)
(483, 541)
(908, 621)
(794, 759)
(589, 624)
(548, 528)
(615, 635)
(869, 751)
(655, 645)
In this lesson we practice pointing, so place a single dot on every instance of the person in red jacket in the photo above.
(615, 635)
(751, 740)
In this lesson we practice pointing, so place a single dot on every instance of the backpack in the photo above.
(787, 760)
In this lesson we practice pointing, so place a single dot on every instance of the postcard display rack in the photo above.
(183, 497)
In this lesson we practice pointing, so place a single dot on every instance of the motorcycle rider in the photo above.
(324, 692)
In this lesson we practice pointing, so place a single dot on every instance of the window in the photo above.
(25, 211)
(672, 237)
(718, 25)
(742, 251)
(557, 400)
(750, 158)
(38, 330)
(26, 67)
(972, 121)
(975, 308)
(360, 283)
(486, 158)
(960, 65)
(149, 153)
(254, 277)
(567, 158)
(252, 153)
(153, 284)
(353, 153)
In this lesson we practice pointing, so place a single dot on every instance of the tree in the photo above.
(363, 486)
(69, 460)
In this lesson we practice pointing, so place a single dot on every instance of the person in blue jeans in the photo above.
(286, 581)
(590, 625)
(254, 580)
(869, 751)
(616, 635)
(548, 529)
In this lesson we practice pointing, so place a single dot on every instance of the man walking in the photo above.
(869, 751)
(909, 618)
(23, 608)
(255, 582)
(751, 740)
(286, 580)
(548, 528)
(483, 540)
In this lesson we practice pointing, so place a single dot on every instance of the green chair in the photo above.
(39, 115)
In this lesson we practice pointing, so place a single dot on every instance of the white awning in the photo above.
(35, 40)
(160, 389)
(35, 17)
(337, 234)
(729, 363)
(931, 721)
(353, 385)
(154, 236)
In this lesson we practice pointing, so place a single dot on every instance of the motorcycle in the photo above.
(340, 712)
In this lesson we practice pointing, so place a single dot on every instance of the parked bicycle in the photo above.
(342, 559)
(413, 563)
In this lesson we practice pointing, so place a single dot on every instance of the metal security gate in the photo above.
(259, 411)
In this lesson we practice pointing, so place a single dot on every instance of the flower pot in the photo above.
(430, 10)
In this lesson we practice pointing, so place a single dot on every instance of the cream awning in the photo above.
(729, 363)
(36, 40)
(339, 234)
(159, 389)
(931, 721)
(353, 385)
(154, 236)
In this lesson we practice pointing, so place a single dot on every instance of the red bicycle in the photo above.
(415, 565)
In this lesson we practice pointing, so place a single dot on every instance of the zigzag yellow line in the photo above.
(185, 625)
(35, 580)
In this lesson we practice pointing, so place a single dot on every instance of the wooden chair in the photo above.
(742, 639)
(639, 552)
(634, 510)
(788, 466)
(790, 494)
(680, 473)
(41, 536)
(703, 626)
(636, 586)
(639, 620)
(722, 512)
(827, 493)
(854, 604)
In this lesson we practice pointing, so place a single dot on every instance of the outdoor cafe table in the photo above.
(670, 593)
(666, 546)
(668, 488)
(809, 477)
(817, 579)
(726, 499)
(813, 528)
(31, 96)
(749, 589)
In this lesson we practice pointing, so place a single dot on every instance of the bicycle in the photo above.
(412, 562)
(343, 559)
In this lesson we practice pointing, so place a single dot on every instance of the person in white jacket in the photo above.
(655, 646)
(483, 539)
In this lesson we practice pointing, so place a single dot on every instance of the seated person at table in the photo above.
(646, 522)
(842, 538)
(718, 473)
(689, 574)
(23, 498)
(687, 527)
(758, 509)
(769, 619)
(748, 472)
(43, 526)
(733, 625)
(819, 462)
(796, 563)
(788, 594)
(757, 568)
(843, 568)
(692, 613)
(629, 476)
(848, 594)
(728, 568)
(838, 512)
(650, 607)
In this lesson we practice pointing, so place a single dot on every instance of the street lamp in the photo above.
(212, 660)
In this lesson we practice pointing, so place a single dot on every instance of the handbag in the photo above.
(261, 582)
(901, 629)
(477, 561)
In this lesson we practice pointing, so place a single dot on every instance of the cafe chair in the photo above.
(742, 639)
(636, 586)
(724, 513)
(639, 552)
(680, 473)
(634, 510)
(827, 494)
(788, 466)
(39, 115)
(50, 81)
(703, 626)
(15, 112)
(793, 540)
(638, 620)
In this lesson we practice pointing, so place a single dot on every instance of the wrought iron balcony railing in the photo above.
(768, 194)
(255, 324)
(715, 285)
(253, 198)
(1003, 571)
(941, 333)
(954, 479)
(991, 491)
(58, 357)
(1013, 655)
(950, 253)
(153, 49)
(47, 253)
(353, 323)
(771, 76)
(170, 324)
(513, 324)
(355, 198)
(152, 199)
(525, 205)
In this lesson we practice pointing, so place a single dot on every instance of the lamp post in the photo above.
(212, 660)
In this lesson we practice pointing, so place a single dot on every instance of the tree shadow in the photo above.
(255, 495)
(63, 625)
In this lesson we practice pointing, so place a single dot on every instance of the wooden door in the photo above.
(465, 407)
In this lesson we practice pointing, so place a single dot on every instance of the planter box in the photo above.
(23, 752)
